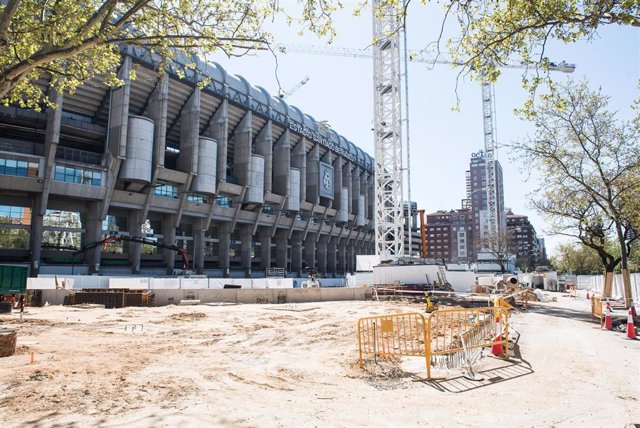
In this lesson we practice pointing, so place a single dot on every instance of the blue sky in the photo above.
(340, 91)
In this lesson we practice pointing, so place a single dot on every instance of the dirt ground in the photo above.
(297, 365)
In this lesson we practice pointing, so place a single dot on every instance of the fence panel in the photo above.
(396, 334)
(457, 336)
(449, 338)
(595, 283)
(596, 309)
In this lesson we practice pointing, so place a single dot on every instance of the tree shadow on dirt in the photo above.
(48, 420)
(169, 418)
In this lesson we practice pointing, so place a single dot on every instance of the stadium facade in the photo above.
(193, 156)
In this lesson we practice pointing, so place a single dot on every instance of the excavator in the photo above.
(182, 252)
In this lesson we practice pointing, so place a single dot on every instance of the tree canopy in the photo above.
(577, 259)
(589, 162)
(493, 33)
(64, 43)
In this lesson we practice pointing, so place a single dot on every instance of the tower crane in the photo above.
(286, 94)
(387, 126)
(388, 151)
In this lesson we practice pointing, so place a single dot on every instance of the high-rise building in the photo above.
(477, 196)
(457, 235)
(524, 241)
(543, 252)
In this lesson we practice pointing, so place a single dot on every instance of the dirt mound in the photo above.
(194, 316)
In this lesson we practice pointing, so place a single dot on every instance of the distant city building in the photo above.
(449, 235)
(411, 226)
(438, 235)
(456, 235)
(476, 178)
(524, 240)
(543, 252)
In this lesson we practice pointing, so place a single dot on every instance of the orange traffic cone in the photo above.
(588, 298)
(631, 329)
(496, 348)
(607, 320)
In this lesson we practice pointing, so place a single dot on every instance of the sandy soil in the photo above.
(297, 365)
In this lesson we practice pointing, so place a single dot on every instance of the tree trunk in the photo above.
(626, 285)
(608, 283)
(626, 279)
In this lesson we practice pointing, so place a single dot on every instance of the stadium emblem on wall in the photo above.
(326, 180)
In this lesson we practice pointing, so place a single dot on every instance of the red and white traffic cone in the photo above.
(608, 324)
(496, 347)
(631, 328)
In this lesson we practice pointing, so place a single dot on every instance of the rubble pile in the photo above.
(521, 294)
(515, 294)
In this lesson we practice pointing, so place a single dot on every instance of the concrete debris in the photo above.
(540, 295)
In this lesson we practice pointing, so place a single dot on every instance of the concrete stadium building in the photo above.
(200, 158)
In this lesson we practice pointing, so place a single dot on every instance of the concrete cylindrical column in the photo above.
(137, 165)
(205, 181)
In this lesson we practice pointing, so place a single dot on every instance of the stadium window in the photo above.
(166, 191)
(82, 176)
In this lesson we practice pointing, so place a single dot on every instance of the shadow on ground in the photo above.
(170, 418)
(513, 368)
(618, 317)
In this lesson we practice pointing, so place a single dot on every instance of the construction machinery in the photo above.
(430, 307)
(13, 283)
(312, 282)
(182, 252)
(286, 94)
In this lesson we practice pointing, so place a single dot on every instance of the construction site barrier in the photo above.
(396, 334)
(457, 336)
(596, 309)
(448, 338)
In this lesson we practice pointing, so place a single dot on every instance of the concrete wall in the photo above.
(405, 274)
(461, 281)
(70, 281)
(137, 282)
(596, 283)
(54, 297)
(271, 295)
(240, 296)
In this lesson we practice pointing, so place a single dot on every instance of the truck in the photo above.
(13, 282)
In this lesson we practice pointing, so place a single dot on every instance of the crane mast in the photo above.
(490, 149)
(389, 222)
